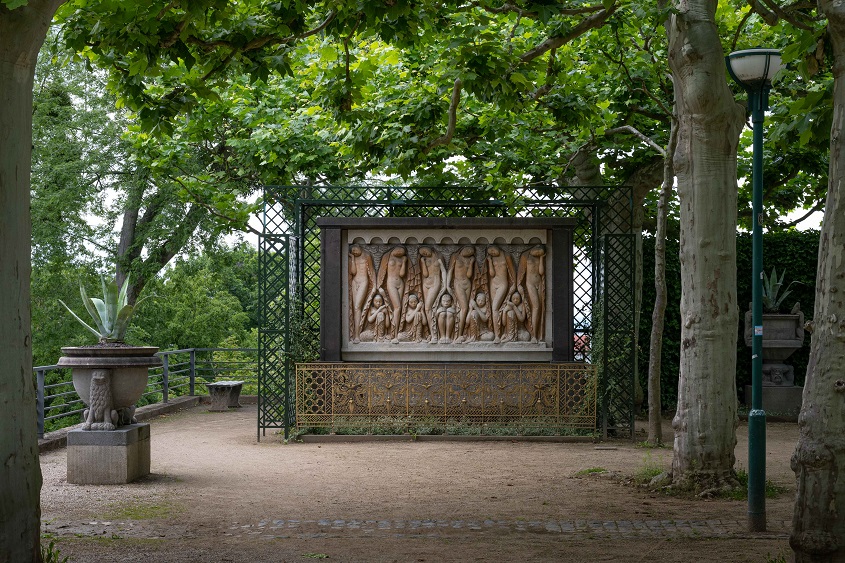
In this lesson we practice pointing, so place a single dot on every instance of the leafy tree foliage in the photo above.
(77, 156)
(53, 327)
(200, 302)
(407, 97)
(205, 300)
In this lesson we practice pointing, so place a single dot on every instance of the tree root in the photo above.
(703, 485)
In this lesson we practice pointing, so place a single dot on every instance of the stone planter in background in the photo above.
(783, 334)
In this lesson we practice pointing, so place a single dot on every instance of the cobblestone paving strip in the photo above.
(341, 528)
(573, 528)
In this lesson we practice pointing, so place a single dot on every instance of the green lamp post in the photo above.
(753, 69)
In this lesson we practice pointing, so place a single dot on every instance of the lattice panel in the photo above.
(275, 291)
(555, 396)
(618, 313)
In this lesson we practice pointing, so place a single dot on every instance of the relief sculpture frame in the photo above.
(446, 289)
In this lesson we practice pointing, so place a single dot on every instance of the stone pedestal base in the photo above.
(785, 401)
(108, 457)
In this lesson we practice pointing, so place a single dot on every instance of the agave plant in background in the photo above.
(111, 314)
(783, 334)
(109, 377)
(772, 298)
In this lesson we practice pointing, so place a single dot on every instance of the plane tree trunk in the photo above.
(22, 32)
(709, 123)
(818, 523)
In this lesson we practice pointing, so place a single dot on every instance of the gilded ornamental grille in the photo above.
(550, 396)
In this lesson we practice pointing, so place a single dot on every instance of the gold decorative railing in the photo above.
(407, 397)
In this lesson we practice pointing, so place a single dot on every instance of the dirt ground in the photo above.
(216, 494)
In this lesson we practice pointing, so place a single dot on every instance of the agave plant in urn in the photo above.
(109, 376)
(783, 333)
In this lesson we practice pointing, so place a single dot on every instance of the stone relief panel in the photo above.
(442, 294)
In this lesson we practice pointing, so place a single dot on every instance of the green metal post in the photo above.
(165, 378)
(193, 372)
(757, 82)
(757, 417)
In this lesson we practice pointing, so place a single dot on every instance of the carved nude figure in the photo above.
(531, 282)
(477, 320)
(459, 277)
(362, 281)
(433, 271)
(501, 281)
(415, 318)
(445, 315)
(379, 316)
(513, 316)
(391, 276)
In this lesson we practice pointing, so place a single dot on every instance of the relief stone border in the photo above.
(446, 289)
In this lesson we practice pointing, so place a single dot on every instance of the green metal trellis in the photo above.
(603, 280)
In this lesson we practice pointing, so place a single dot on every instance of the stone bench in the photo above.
(224, 395)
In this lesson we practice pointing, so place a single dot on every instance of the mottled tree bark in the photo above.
(22, 32)
(818, 524)
(709, 123)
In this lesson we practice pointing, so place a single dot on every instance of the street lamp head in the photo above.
(754, 69)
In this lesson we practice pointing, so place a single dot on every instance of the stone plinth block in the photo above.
(108, 457)
(779, 400)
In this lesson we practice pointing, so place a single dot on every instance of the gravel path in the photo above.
(216, 494)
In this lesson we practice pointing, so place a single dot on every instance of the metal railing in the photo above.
(59, 405)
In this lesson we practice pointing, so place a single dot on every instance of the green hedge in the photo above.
(794, 252)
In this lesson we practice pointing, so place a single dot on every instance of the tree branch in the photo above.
(781, 13)
(259, 42)
(171, 247)
(453, 118)
(637, 133)
(213, 210)
(643, 88)
(768, 16)
(772, 186)
(596, 20)
(741, 25)
(547, 86)
(177, 31)
(166, 9)
(513, 8)
(819, 206)
(126, 248)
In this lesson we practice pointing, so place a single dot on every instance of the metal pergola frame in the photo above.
(604, 285)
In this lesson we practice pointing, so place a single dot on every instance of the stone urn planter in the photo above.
(783, 334)
(109, 378)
